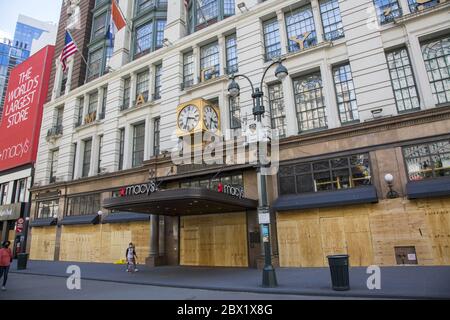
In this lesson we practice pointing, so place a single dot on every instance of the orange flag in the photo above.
(117, 16)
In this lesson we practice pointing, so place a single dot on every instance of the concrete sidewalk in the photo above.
(403, 282)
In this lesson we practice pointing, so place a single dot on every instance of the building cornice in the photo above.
(414, 15)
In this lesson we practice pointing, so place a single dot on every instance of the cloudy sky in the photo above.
(45, 10)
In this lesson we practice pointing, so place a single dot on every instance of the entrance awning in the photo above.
(179, 202)
(326, 199)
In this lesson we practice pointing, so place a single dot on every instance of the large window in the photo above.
(86, 158)
(325, 175)
(206, 12)
(156, 136)
(142, 85)
(414, 5)
(99, 25)
(277, 109)
(387, 10)
(300, 26)
(188, 69)
(95, 64)
(272, 42)
(126, 93)
(430, 160)
(309, 102)
(47, 209)
(80, 110)
(121, 147)
(54, 165)
(209, 61)
(436, 55)
(402, 79)
(212, 183)
(345, 93)
(20, 189)
(138, 144)
(93, 102)
(331, 19)
(232, 59)
(235, 112)
(158, 74)
(84, 205)
(148, 37)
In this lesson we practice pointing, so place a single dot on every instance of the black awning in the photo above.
(43, 222)
(336, 198)
(87, 219)
(118, 217)
(178, 202)
(428, 188)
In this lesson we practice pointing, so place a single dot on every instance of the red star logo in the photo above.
(220, 188)
(122, 192)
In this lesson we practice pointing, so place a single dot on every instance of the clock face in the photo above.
(188, 118)
(211, 119)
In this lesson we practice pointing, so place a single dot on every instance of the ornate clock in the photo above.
(197, 116)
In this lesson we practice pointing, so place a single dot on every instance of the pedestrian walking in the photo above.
(6, 258)
(131, 257)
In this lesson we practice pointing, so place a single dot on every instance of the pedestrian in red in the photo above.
(5, 261)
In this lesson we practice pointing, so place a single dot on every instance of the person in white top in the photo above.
(131, 257)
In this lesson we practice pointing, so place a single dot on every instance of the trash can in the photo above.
(339, 272)
(22, 259)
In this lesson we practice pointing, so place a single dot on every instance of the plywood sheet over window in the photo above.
(104, 243)
(43, 243)
(214, 240)
(305, 239)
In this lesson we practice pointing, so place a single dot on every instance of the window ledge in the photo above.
(429, 188)
(413, 15)
(206, 83)
(321, 45)
(143, 106)
(88, 125)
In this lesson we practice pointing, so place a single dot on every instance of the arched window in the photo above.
(203, 13)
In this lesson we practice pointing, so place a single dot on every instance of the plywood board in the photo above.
(214, 240)
(43, 243)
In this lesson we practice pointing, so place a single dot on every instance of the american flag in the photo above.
(70, 48)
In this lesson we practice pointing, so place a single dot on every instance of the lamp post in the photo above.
(392, 194)
(269, 276)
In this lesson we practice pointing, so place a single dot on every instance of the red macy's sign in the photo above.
(22, 111)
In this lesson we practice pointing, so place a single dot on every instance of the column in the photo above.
(85, 107)
(222, 55)
(147, 139)
(78, 159)
(5, 231)
(100, 93)
(283, 32)
(405, 7)
(420, 73)
(330, 96)
(154, 242)
(196, 53)
(317, 20)
(290, 107)
(94, 156)
(132, 89)
(122, 38)
(176, 27)
(127, 147)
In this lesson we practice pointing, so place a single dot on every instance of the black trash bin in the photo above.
(339, 272)
(22, 259)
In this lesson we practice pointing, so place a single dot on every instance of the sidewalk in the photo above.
(407, 282)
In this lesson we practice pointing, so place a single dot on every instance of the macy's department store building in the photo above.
(352, 111)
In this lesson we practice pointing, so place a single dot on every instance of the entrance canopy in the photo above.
(180, 202)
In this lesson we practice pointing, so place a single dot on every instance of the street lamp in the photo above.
(389, 179)
(269, 276)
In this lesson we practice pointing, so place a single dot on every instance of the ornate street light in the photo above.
(269, 276)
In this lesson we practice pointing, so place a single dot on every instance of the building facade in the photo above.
(367, 95)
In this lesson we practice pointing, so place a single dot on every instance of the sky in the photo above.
(45, 10)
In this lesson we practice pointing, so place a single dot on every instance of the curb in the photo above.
(341, 294)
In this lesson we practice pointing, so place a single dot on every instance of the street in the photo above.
(32, 287)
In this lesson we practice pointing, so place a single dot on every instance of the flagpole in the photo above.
(82, 56)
